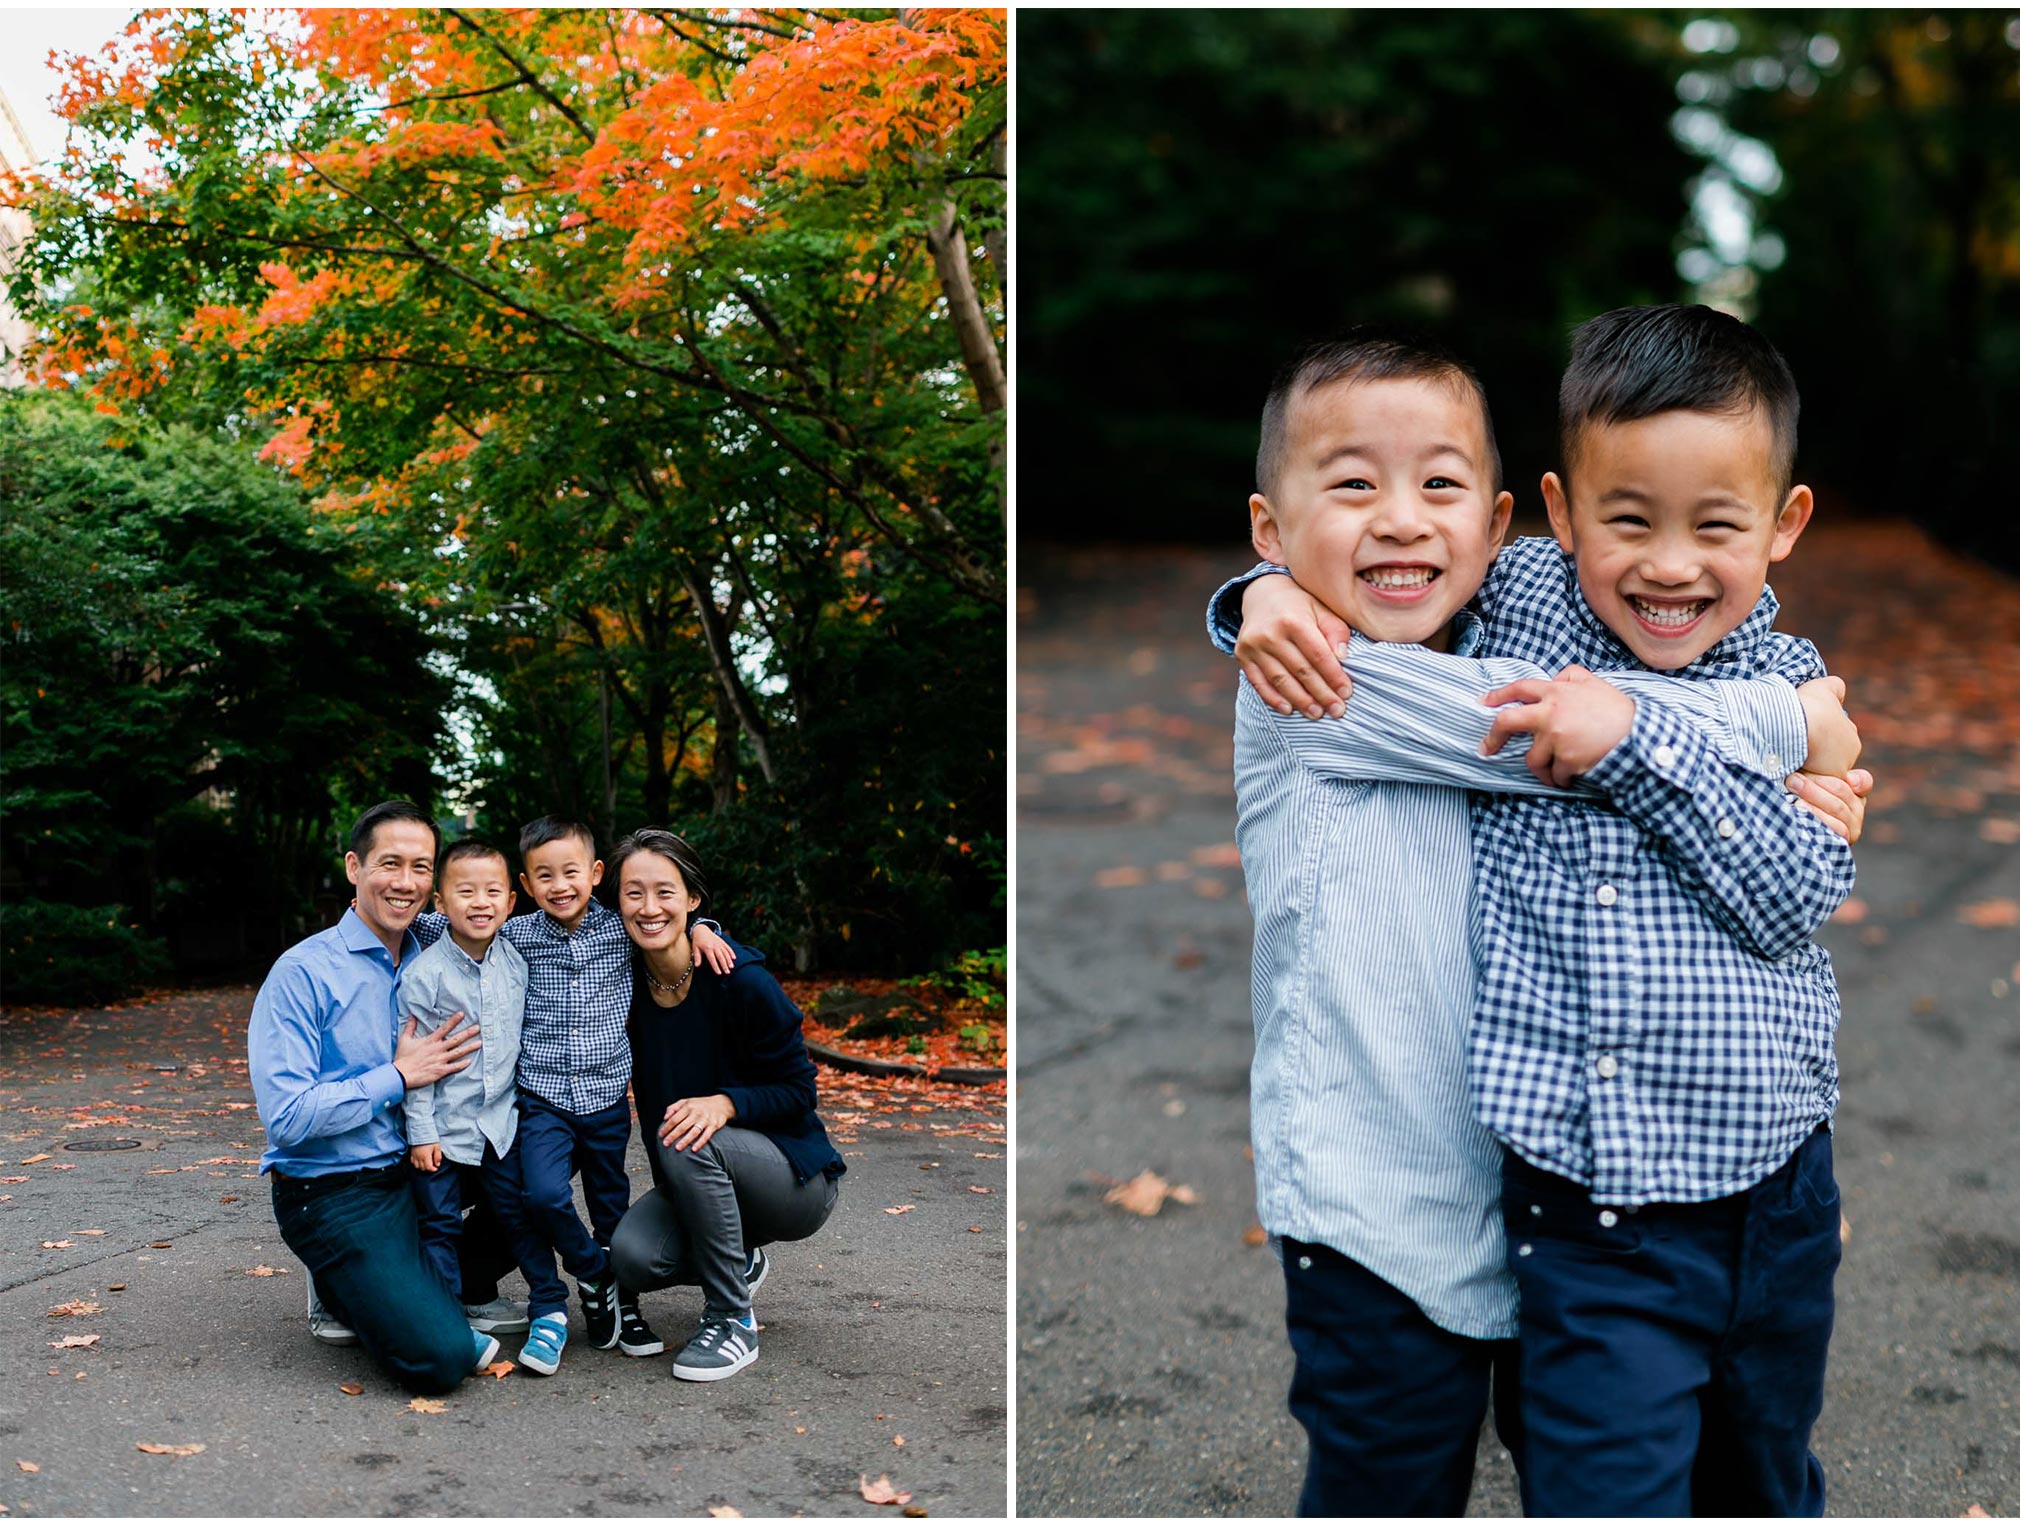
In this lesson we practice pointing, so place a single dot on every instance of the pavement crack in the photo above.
(106, 1255)
(1085, 1040)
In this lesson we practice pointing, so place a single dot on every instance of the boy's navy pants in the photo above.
(1390, 1402)
(552, 1146)
(440, 1198)
(1673, 1356)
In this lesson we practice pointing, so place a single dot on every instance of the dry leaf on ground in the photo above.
(1146, 1192)
(58, 1246)
(978, 1189)
(1974, 1510)
(2000, 830)
(77, 1342)
(261, 1271)
(40, 1156)
(500, 1369)
(351, 1387)
(427, 1406)
(180, 1450)
(899, 1209)
(114, 1288)
(161, 1246)
(880, 1492)
(27, 1467)
(90, 1233)
(1851, 910)
(76, 1308)
(724, 1512)
(1995, 912)
(1255, 1236)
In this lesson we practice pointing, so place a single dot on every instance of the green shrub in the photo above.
(54, 953)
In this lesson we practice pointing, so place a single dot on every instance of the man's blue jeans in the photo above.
(358, 1236)
(1673, 1356)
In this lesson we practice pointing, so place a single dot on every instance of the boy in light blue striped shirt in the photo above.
(1379, 487)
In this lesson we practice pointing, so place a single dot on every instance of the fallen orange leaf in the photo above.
(1997, 912)
(724, 1512)
(1218, 856)
(975, 1188)
(1255, 1236)
(114, 1288)
(500, 1369)
(76, 1308)
(1120, 875)
(57, 1246)
(90, 1233)
(977, 1230)
(899, 1440)
(427, 1406)
(40, 1156)
(351, 1387)
(1851, 910)
(180, 1450)
(26, 1468)
(1146, 1192)
(900, 1209)
(261, 1271)
(881, 1493)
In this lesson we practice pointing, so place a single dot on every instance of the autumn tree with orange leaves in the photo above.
(656, 354)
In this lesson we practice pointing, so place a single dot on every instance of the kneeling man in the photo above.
(330, 1064)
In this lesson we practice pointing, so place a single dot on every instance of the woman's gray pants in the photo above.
(733, 1195)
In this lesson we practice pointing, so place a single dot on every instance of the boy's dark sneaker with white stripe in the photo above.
(755, 1270)
(724, 1345)
(633, 1335)
(599, 1311)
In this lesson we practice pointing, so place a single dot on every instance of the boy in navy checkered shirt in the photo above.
(1653, 1037)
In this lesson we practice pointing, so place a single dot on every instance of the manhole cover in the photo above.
(101, 1145)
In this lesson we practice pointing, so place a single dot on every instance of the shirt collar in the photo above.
(592, 919)
(1469, 634)
(359, 938)
(1733, 650)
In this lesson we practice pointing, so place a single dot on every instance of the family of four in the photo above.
(412, 1065)
(1544, 1070)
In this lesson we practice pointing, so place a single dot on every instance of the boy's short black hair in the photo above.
(389, 811)
(1634, 363)
(470, 848)
(1362, 354)
(547, 830)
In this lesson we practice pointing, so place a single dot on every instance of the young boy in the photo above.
(1652, 1037)
(574, 1069)
(461, 1130)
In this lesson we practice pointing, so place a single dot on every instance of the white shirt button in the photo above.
(1606, 1066)
(1774, 763)
(1535, 1209)
(1665, 756)
(1304, 1262)
(1524, 1250)
(1608, 896)
(1726, 827)
(1608, 1218)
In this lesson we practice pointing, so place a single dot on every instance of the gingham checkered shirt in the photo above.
(1653, 1020)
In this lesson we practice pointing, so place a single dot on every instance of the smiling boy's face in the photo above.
(1384, 508)
(475, 893)
(1673, 520)
(560, 876)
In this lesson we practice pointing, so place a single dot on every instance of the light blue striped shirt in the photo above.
(1364, 975)
(466, 1109)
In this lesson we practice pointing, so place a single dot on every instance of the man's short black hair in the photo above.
(547, 830)
(389, 811)
(1634, 363)
(1362, 354)
(470, 848)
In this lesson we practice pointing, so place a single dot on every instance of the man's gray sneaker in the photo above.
(500, 1315)
(725, 1345)
(325, 1327)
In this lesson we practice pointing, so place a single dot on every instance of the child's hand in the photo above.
(427, 1158)
(1290, 649)
(1834, 739)
(690, 1122)
(1577, 719)
(1841, 803)
(720, 957)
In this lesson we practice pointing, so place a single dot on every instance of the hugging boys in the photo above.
(1590, 1016)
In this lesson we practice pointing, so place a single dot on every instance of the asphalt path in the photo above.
(882, 1353)
(1152, 1364)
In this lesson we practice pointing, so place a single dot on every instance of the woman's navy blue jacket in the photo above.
(738, 1035)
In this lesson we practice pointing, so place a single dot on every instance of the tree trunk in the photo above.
(722, 773)
(964, 304)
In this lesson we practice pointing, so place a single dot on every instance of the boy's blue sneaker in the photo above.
(483, 1349)
(546, 1336)
(725, 1345)
(755, 1270)
(599, 1311)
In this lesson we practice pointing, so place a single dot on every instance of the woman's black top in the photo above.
(738, 1035)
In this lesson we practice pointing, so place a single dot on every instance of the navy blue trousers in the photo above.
(441, 1197)
(1673, 1356)
(553, 1146)
(1390, 1402)
(358, 1236)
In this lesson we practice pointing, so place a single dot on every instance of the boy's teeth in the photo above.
(1400, 578)
(1668, 615)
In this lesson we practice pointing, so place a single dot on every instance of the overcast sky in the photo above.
(25, 40)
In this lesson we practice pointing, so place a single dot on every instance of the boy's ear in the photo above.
(1789, 523)
(525, 881)
(511, 900)
(1557, 501)
(1262, 529)
(596, 874)
(1497, 522)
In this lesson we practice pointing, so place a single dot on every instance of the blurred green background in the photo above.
(1199, 192)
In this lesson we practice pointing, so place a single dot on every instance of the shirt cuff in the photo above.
(384, 1086)
(1223, 611)
(1658, 748)
(422, 1132)
(1769, 731)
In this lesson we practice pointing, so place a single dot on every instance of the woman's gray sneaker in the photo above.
(725, 1345)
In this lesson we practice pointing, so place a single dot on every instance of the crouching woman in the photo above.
(725, 1096)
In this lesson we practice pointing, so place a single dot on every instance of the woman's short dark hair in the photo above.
(673, 847)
